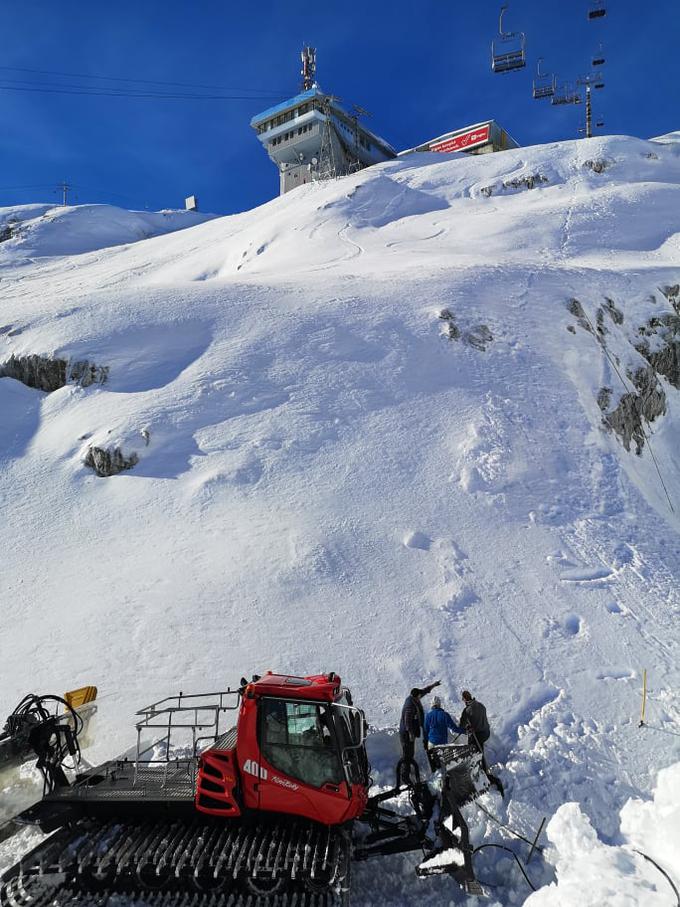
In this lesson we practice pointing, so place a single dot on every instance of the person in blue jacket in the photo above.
(438, 723)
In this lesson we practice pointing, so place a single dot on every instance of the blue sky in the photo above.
(420, 68)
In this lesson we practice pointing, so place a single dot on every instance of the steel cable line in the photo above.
(81, 75)
(120, 94)
(18, 188)
(32, 83)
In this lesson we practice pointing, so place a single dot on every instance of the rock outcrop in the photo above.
(659, 345)
(47, 374)
(633, 408)
(597, 166)
(530, 181)
(478, 336)
(109, 461)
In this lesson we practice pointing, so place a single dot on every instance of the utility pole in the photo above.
(65, 188)
(589, 114)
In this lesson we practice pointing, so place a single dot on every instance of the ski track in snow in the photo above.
(328, 476)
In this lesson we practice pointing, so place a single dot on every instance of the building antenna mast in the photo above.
(308, 71)
(327, 165)
(357, 112)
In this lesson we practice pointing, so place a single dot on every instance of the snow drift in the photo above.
(591, 873)
(419, 422)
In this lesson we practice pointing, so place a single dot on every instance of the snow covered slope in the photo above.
(367, 420)
(41, 230)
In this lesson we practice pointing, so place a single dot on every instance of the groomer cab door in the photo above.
(301, 769)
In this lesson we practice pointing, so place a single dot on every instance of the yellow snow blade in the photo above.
(81, 696)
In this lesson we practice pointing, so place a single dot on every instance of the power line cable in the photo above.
(80, 75)
(120, 94)
(19, 188)
(35, 83)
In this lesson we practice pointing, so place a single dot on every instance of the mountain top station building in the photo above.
(482, 138)
(311, 137)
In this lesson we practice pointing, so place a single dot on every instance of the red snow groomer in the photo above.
(270, 812)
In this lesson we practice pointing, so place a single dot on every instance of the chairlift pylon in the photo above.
(594, 79)
(544, 83)
(597, 10)
(508, 50)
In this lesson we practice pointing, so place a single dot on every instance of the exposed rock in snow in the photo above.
(577, 310)
(109, 461)
(615, 313)
(478, 336)
(634, 409)
(46, 373)
(526, 182)
(665, 359)
(597, 166)
(529, 181)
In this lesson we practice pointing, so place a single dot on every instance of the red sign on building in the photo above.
(465, 140)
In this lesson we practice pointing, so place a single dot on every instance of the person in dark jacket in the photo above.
(410, 727)
(474, 721)
(438, 723)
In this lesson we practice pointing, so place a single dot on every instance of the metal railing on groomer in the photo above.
(188, 723)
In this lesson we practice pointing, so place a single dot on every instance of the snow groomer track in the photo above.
(177, 863)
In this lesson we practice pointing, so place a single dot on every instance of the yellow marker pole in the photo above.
(644, 697)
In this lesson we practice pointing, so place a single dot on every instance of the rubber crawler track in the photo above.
(293, 863)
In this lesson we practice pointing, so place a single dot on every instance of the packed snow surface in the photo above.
(369, 440)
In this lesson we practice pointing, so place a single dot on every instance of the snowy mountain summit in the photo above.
(421, 422)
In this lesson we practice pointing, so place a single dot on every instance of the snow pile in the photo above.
(591, 873)
(376, 426)
(45, 230)
(653, 826)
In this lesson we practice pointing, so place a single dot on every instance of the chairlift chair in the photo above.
(598, 58)
(566, 94)
(508, 50)
(597, 10)
(544, 83)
